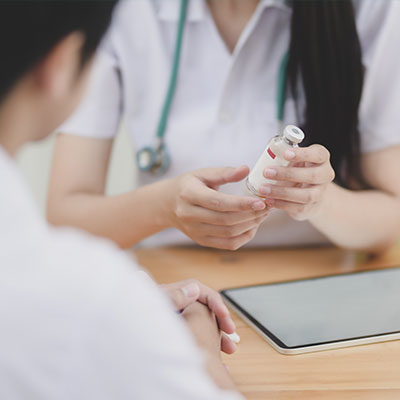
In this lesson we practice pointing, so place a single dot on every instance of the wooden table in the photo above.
(370, 372)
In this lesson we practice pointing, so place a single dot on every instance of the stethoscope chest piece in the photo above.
(155, 160)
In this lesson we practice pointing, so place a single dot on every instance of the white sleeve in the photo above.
(100, 111)
(379, 30)
(138, 348)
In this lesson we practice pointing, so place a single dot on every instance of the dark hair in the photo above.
(30, 29)
(325, 52)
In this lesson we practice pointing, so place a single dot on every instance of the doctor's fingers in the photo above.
(195, 214)
(233, 244)
(217, 201)
(215, 177)
(316, 175)
(315, 154)
(297, 211)
(229, 231)
(302, 195)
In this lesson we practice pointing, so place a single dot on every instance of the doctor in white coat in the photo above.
(202, 85)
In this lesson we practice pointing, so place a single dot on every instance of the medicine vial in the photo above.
(273, 156)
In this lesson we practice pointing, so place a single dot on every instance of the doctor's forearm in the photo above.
(363, 220)
(126, 219)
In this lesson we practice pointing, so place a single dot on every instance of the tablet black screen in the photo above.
(323, 310)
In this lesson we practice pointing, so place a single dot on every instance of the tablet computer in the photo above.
(322, 313)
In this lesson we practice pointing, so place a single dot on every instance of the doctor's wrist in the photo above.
(325, 209)
(167, 191)
(156, 198)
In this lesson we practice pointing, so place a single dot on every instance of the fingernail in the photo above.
(265, 190)
(191, 290)
(234, 337)
(270, 173)
(290, 155)
(259, 205)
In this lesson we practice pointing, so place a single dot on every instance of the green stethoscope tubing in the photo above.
(281, 92)
(162, 125)
(157, 159)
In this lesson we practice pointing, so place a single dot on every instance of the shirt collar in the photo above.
(281, 4)
(168, 10)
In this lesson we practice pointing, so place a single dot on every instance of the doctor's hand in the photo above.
(212, 218)
(185, 293)
(302, 185)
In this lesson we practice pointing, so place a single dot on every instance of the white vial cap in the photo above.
(294, 134)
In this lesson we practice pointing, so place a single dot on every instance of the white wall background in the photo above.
(35, 162)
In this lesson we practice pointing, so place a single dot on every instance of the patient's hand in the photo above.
(186, 293)
(202, 322)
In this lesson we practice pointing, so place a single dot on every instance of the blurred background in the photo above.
(35, 163)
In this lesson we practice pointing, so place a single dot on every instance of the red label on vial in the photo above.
(272, 155)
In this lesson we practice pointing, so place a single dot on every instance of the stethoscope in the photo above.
(156, 159)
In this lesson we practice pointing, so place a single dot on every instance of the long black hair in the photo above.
(325, 53)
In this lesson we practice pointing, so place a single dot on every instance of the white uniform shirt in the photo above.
(224, 110)
(79, 321)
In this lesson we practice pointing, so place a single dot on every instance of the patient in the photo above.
(78, 320)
